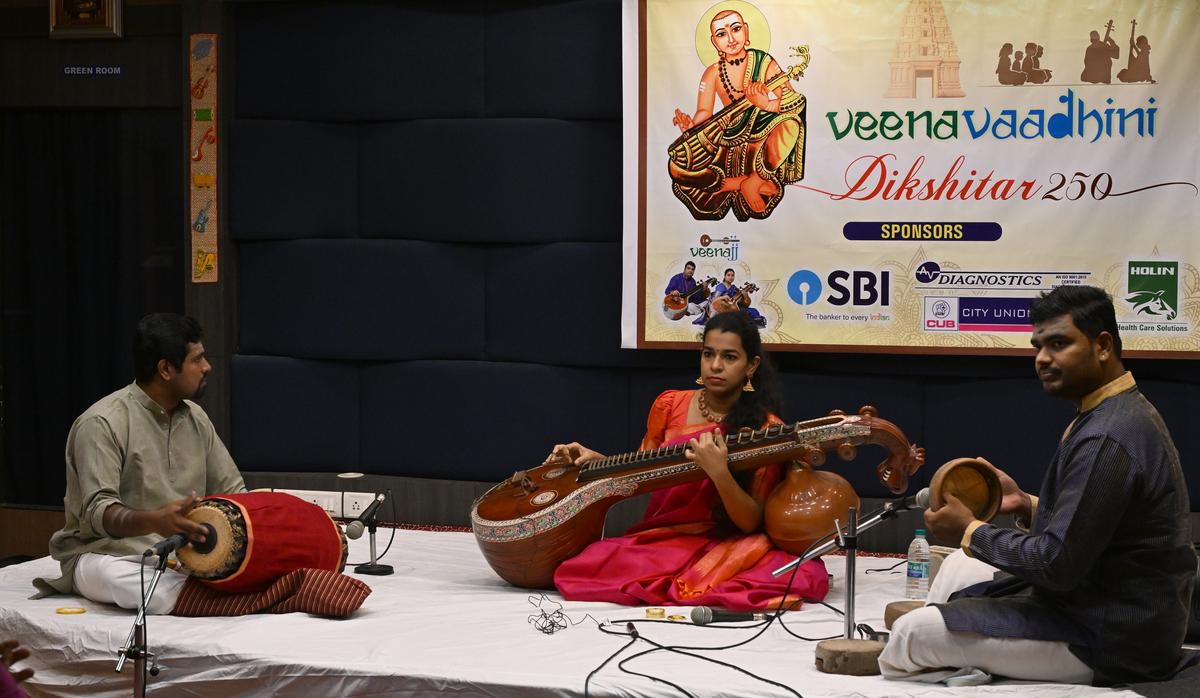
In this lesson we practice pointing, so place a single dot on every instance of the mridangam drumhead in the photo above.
(230, 546)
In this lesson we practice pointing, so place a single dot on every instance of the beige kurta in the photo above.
(126, 449)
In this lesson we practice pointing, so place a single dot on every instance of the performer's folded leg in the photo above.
(110, 579)
(958, 572)
(921, 642)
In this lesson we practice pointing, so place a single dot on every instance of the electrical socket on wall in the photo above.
(342, 505)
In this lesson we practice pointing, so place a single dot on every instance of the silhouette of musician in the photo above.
(1138, 69)
(1031, 65)
(1097, 60)
(1004, 72)
(1037, 62)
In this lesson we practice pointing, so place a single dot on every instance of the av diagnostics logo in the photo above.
(931, 275)
(1154, 289)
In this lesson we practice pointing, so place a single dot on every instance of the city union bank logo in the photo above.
(1154, 289)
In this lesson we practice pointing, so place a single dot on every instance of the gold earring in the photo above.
(700, 380)
(748, 387)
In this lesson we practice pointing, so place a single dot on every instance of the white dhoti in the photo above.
(920, 641)
(116, 580)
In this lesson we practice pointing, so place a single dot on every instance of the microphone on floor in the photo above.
(354, 529)
(703, 615)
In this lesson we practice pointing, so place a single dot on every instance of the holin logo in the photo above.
(1154, 288)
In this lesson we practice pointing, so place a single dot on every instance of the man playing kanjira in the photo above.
(1098, 576)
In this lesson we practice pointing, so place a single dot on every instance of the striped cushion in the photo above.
(320, 592)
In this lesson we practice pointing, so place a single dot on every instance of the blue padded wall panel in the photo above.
(492, 180)
(1012, 423)
(349, 61)
(563, 314)
(292, 179)
(294, 415)
(573, 69)
(483, 421)
(361, 299)
(809, 396)
(644, 387)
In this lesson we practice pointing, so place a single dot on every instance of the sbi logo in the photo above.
(858, 287)
(804, 287)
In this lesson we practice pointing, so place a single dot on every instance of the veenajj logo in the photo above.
(725, 248)
(804, 287)
(928, 272)
(1154, 289)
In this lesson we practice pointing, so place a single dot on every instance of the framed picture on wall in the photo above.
(85, 19)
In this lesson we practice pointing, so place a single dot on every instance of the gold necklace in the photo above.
(709, 415)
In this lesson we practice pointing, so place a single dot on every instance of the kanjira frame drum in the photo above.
(259, 537)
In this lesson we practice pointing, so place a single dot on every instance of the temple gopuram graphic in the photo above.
(926, 49)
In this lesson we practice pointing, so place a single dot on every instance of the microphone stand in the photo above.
(135, 643)
(373, 567)
(848, 655)
(889, 511)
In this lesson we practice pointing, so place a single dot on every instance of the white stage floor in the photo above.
(444, 623)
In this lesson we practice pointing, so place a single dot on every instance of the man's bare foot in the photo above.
(733, 183)
(755, 191)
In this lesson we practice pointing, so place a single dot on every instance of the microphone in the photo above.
(920, 500)
(167, 545)
(703, 615)
(354, 529)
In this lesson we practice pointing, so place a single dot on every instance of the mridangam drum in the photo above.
(261, 536)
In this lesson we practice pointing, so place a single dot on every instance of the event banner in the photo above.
(908, 175)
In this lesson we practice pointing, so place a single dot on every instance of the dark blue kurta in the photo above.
(1108, 566)
(682, 283)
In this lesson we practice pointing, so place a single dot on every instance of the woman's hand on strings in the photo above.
(709, 451)
(573, 453)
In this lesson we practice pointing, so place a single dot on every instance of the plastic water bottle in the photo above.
(916, 584)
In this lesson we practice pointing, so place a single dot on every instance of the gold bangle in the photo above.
(656, 613)
(70, 610)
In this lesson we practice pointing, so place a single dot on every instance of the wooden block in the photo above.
(898, 608)
(849, 657)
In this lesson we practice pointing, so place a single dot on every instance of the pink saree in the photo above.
(675, 556)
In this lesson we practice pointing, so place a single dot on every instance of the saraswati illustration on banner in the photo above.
(907, 175)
